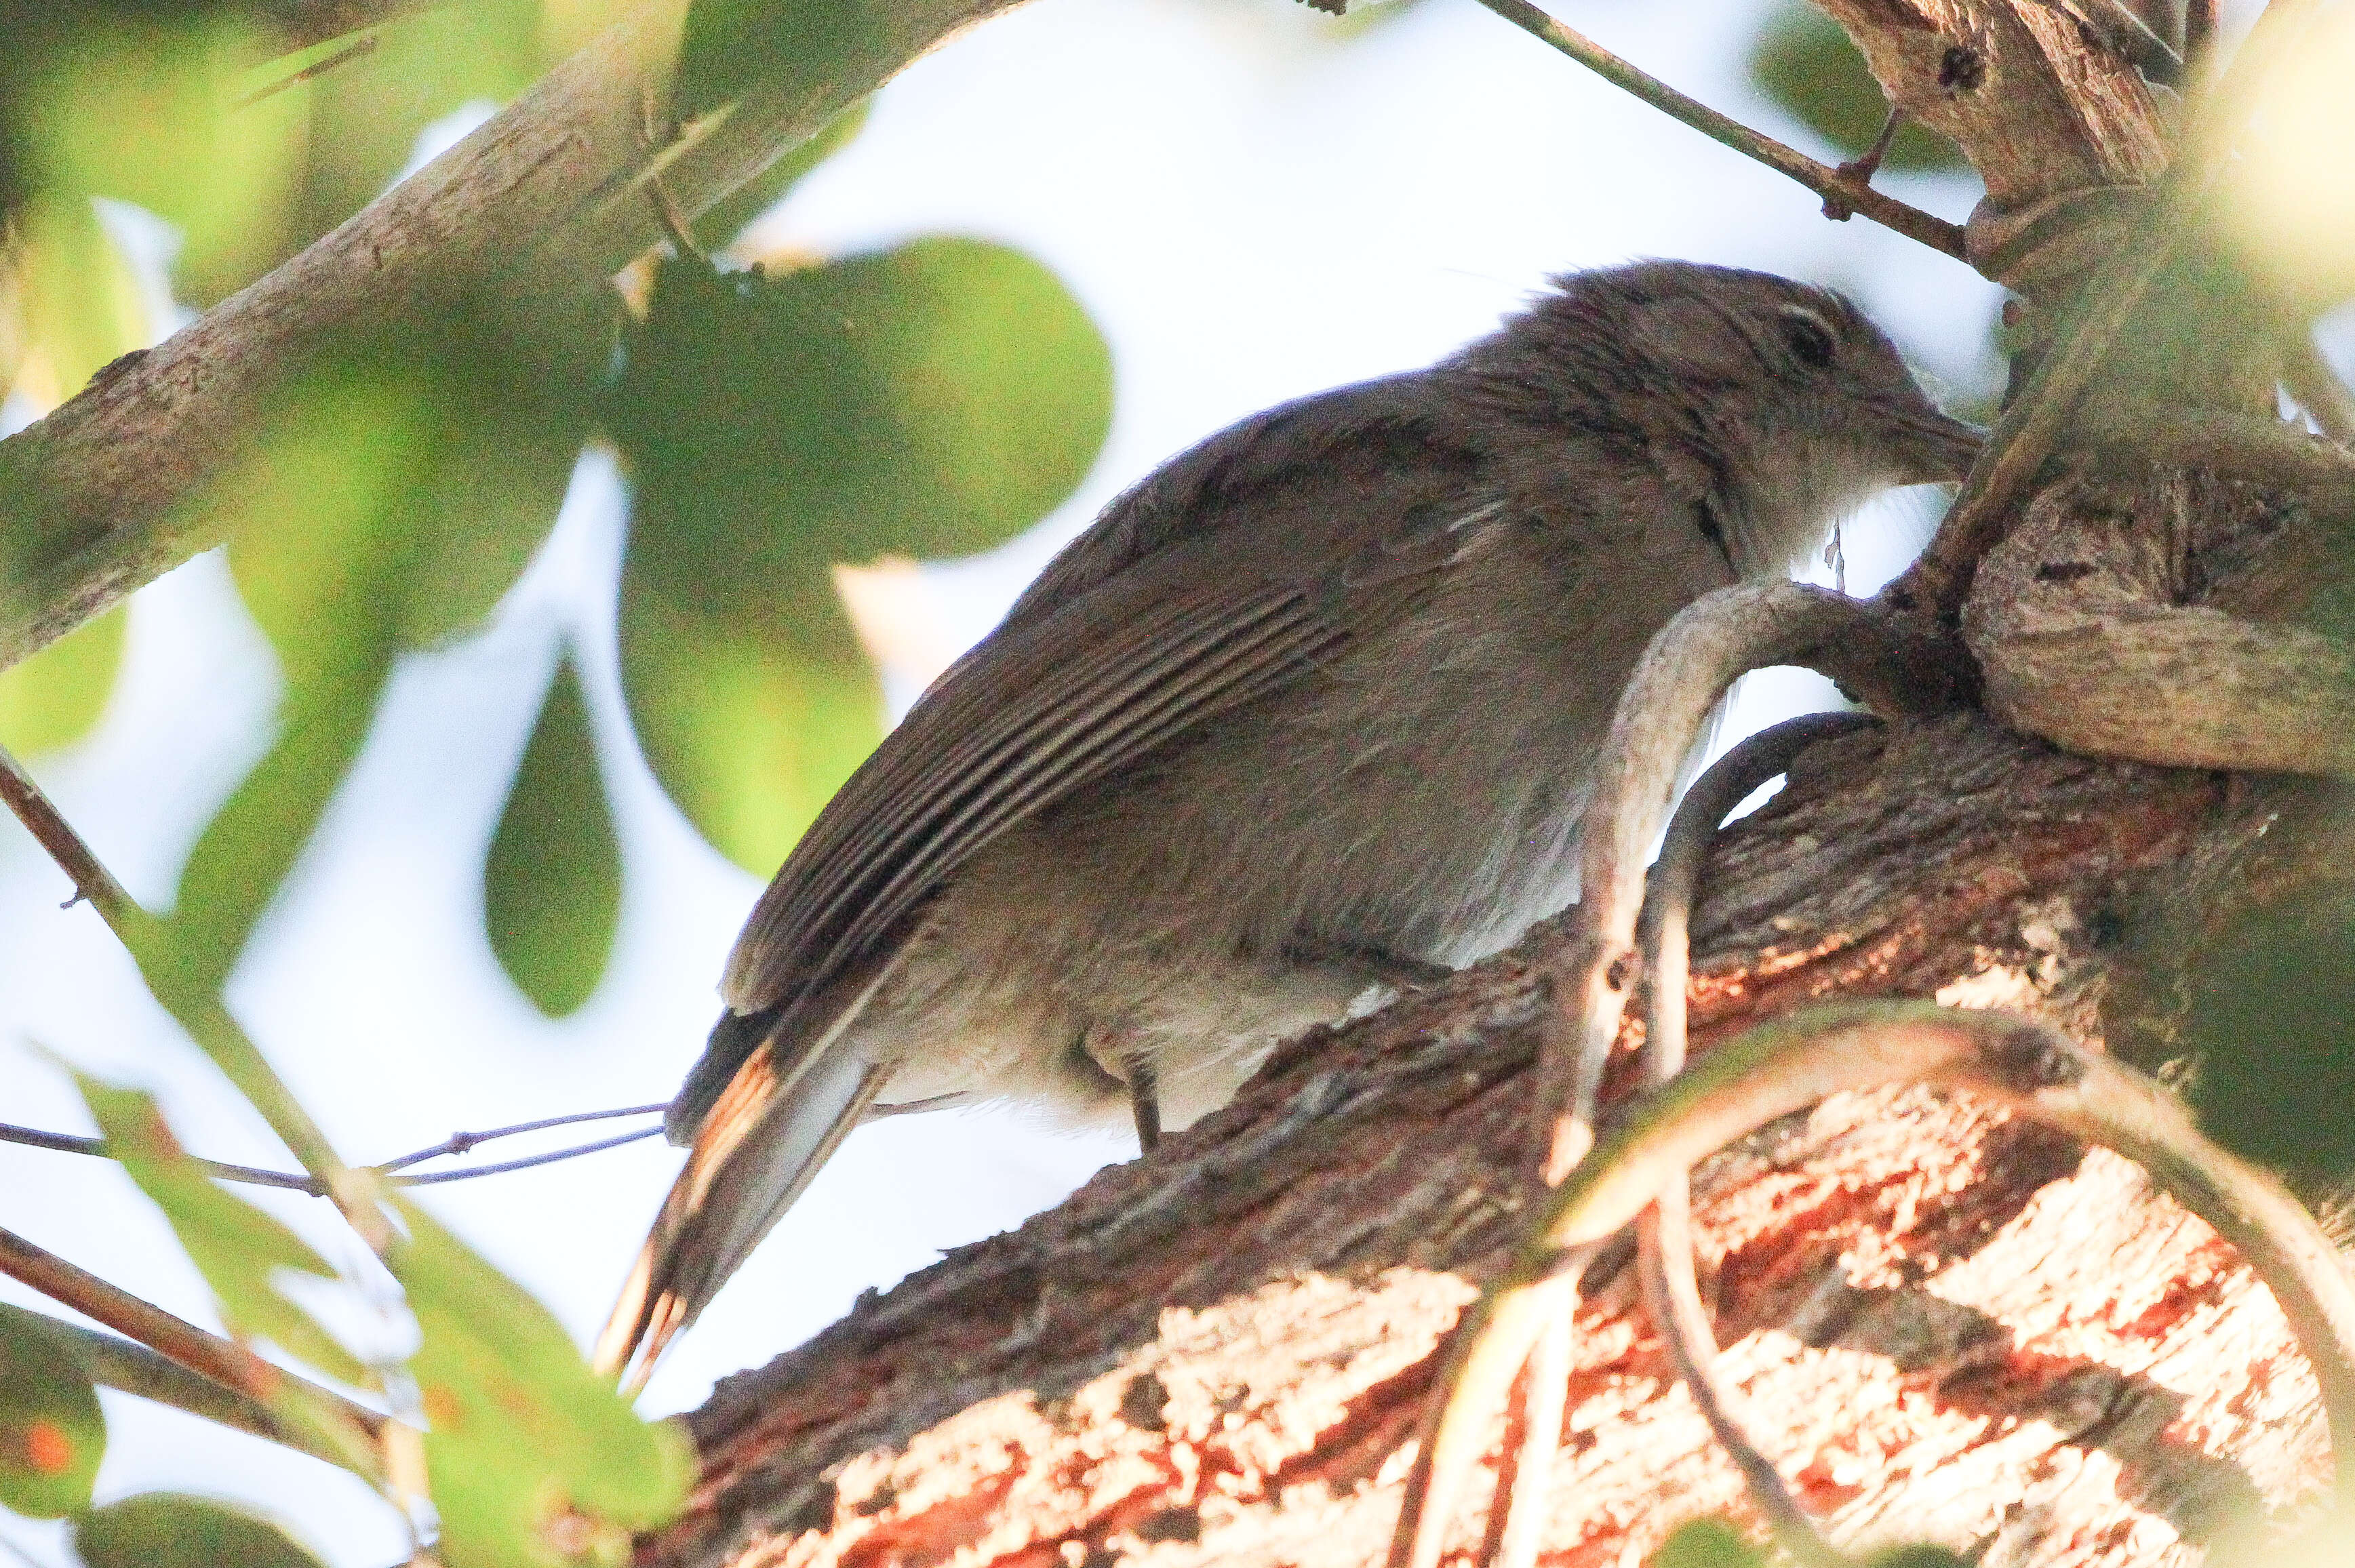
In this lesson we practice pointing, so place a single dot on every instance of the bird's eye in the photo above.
(1811, 341)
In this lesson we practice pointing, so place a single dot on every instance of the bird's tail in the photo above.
(764, 1136)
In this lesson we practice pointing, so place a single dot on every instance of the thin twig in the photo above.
(1522, 1497)
(92, 883)
(352, 51)
(434, 1178)
(113, 1361)
(1861, 170)
(460, 1142)
(207, 1355)
(1821, 178)
(204, 1017)
(2038, 418)
(293, 1182)
(1664, 1233)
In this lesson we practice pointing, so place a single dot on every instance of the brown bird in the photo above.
(1307, 715)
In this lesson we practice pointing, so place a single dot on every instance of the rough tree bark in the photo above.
(1949, 1325)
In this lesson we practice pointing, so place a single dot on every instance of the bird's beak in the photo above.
(1943, 448)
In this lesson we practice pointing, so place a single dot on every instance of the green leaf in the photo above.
(392, 497)
(78, 305)
(930, 400)
(750, 727)
(1707, 1543)
(552, 881)
(234, 1245)
(1916, 1556)
(55, 697)
(170, 1529)
(1805, 63)
(730, 45)
(52, 1432)
(150, 111)
(439, 456)
(532, 1458)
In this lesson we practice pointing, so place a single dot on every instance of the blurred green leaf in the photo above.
(930, 400)
(552, 881)
(170, 1529)
(1916, 1556)
(77, 304)
(55, 697)
(1707, 1543)
(439, 456)
(750, 727)
(393, 498)
(1805, 63)
(730, 45)
(728, 216)
(2270, 1016)
(151, 112)
(52, 1432)
(234, 1245)
(533, 1459)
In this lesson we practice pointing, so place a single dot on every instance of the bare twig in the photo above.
(92, 883)
(115, 1363)
(352, 51)
(1664, 1233)
(1839, 209)
(1823, 179)
(220, 1361)
(204, 1017)
(2029, 1068)
(1517, 1525)
(456, 1143)
(2035, 422)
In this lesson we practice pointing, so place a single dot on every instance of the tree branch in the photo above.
(114, 1362)
(1839, 189)
(238, 1371)
(543, 204)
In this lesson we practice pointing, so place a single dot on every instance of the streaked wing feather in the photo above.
(1231, 573)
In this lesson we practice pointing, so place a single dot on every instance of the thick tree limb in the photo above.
(543, 205)
(1952, 1324)
(2096, 629)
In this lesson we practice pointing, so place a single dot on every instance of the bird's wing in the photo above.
(1226, 577)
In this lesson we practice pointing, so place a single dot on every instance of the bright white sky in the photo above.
(1253, 211)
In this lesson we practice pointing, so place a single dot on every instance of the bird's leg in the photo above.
(1144, 1101)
